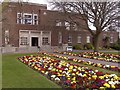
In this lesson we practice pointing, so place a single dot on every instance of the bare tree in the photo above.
(99, 14)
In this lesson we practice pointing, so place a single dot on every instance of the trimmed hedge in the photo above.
(115, 46)
(88, 46)
(78, 47)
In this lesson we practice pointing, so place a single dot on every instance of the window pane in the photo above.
(88, 39)
(45, 41)
(79, 39)
(23, 41)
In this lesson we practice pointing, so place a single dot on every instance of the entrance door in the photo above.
(34, 41)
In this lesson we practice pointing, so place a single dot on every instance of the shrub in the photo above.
(115, 46)
(88, 46)
(107, 47)
(77, 47)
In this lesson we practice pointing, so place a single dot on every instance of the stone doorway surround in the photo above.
(28, 34)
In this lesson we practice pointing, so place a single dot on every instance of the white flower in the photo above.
(111, 75)
(57, 79)
(107, 65)
(80, 74)
(66, 68)
(64, 72)
(49, 68)
(46, 73)
(111, 82)
(107, 80)
(53, 76)
(74, 69)
(68, 65)
(96, 70)
(116, 82)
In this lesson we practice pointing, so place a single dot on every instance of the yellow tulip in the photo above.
(101, 77)
(102, 88)
(89, 78)
(77, 73)
(68, 78)
(107, 85)
(84, 75)
(73, 78)
(112, 86)
(116, 77)
(42, 71)
(94, 76)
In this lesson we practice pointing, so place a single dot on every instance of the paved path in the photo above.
(99, 51)
(92, 60)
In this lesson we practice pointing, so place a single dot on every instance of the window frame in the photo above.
(79, 39)
(23, 40)
(88, 39)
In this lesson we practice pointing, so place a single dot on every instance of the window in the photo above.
(26, 18)
(6, 37)
(67, 25)
(45, 41)
(60, 37)
(75, 27)
(19, 18)
(111, 39)
(35, 20)
(70, 39)
(79, 39)
(58, 23)
(88, 39)
(23, 41)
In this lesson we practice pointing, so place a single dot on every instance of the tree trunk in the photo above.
(96, 42)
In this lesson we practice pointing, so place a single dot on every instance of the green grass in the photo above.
(18, 75)
(0, 71)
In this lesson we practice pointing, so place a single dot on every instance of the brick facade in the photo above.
(46, 22)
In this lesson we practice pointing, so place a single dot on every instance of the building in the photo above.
(31, 25)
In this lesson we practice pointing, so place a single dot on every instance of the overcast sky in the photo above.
(39, 1)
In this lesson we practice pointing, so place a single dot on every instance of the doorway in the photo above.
(34, 41)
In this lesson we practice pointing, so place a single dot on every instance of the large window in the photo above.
(19, 18)
(23, 40)
(67, 25)
(45, 41)
(88, 39)
(111, 39)
(35, 19)
(58, 23)
(75, 27)
(6, 37)
(26, 18)
(60, 37)
(69, 39)
(79, 39)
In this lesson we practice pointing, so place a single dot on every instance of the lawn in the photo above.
(17, 75)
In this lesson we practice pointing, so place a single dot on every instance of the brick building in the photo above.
(30, 24)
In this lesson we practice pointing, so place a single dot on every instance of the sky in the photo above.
(39, 1)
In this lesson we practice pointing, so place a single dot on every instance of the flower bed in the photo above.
(113, 68)
(70, 75)
(95, 55)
